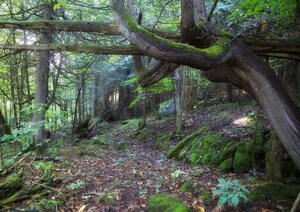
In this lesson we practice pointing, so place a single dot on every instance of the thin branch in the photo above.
(212, 10)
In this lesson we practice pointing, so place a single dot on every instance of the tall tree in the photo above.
(226, 59)
(42, 76)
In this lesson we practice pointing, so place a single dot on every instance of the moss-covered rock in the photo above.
(274, 191)
(226, 165)
(247, 155)
(162, 141)
(242, 161)
(166, 203)
(181, 149)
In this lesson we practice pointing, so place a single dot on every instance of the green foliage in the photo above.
(22, 134)
(164, 85)
(230, 192)
(49, 204)
(76, 185)
(46, 167)
(178, 173)
(107, 197)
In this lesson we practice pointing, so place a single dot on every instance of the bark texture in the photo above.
(41, 81)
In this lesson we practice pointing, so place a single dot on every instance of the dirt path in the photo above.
(123, 180)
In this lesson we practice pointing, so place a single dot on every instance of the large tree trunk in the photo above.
(226, 61)
(41, 81)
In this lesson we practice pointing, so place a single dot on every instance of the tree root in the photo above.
(296, 203)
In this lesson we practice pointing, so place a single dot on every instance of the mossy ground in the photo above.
(166, 203)
(274, 191)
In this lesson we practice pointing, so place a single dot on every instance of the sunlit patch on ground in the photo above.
(241, 122)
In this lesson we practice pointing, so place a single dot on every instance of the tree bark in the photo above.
(226, 61)
(41, 81)
(180, 82)
(265, 46)
(4, 128)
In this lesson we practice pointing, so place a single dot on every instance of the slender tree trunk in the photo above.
(13, 85)
(180, 81)
(4, 128)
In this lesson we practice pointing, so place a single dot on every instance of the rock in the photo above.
(166, 203)
(167, 108)
(226, 165)
(274, 191)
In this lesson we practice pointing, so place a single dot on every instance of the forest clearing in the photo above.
(144, 105)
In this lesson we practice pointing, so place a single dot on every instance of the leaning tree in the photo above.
(222, 58)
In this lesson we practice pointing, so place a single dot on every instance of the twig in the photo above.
(296, 203)
(19, 161)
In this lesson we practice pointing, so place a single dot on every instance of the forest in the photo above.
(150, 105)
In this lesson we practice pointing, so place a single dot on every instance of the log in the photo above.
(22, 195)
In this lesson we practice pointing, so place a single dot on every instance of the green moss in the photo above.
(211, 52)
(274, 191)
(162, 141)
(187, 187)
(13, 182)
(207, 158)
(226, 165)
(243, 159)
(242, 162)
(166, 203)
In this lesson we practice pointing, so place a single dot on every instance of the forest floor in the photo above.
(110, 178)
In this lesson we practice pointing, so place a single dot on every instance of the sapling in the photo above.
(230, 192)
